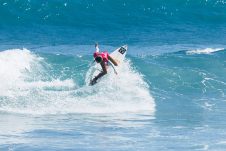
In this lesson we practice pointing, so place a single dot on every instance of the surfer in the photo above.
(104, 59)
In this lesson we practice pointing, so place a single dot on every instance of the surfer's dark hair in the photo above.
(98, 59)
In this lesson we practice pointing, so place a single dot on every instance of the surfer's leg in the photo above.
(104, 68)
(112, 60)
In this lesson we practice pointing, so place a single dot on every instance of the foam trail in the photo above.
(204, 51)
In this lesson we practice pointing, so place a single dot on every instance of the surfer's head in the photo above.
(98, 59)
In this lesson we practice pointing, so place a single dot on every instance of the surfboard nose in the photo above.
(125, 46)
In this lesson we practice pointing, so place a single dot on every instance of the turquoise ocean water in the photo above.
(170, 93)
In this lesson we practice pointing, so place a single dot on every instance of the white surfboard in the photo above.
(118, 55)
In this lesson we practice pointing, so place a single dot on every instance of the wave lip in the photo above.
(204, 51)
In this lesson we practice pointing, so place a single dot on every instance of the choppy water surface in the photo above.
(169, 93)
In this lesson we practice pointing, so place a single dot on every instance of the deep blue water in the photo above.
(169, 94)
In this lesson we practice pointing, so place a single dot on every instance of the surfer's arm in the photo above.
(112, 60)
(113, 68)
(97, 48)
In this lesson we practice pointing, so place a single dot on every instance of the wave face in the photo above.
(52, 84)
(113, 22)
(41, 83)
(178, 95)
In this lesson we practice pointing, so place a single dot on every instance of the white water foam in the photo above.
(12, 64)
(23, 89)
(204, 51)
(126, 91)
